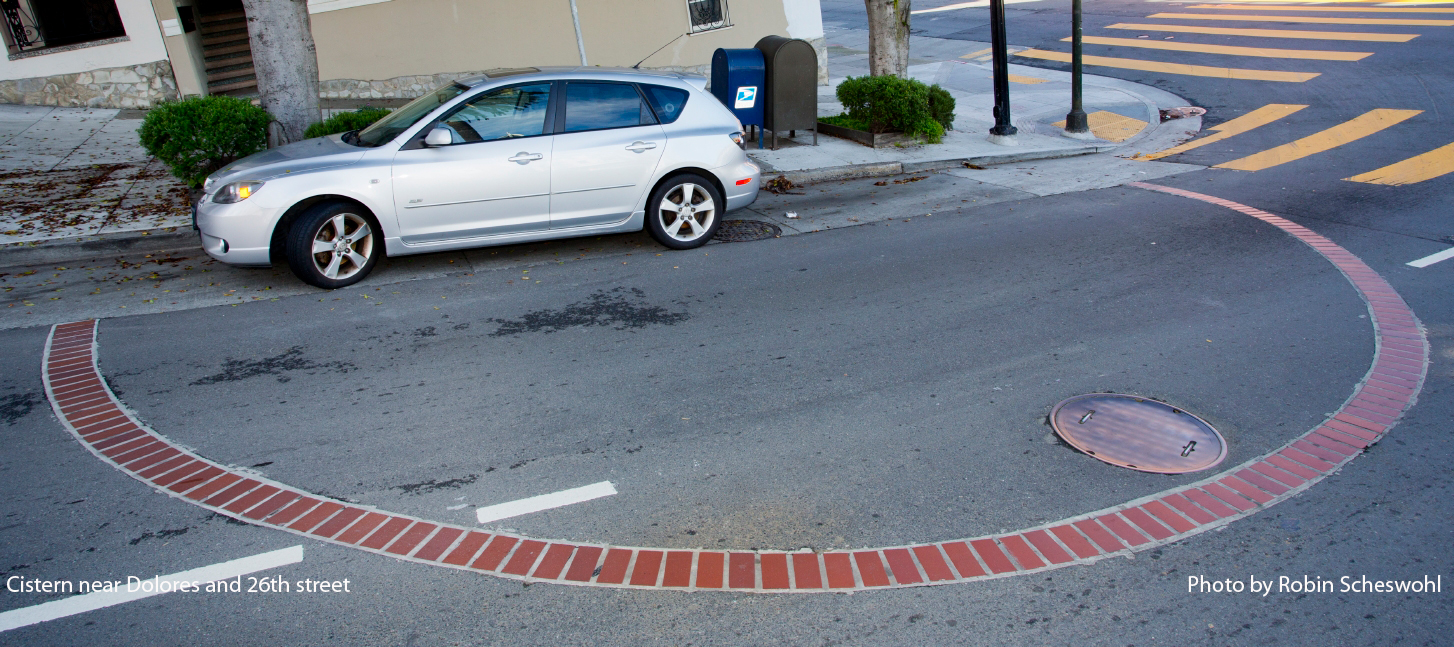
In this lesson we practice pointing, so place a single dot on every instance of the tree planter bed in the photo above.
(872, 140)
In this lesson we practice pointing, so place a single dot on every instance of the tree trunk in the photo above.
(286, 63)
(888, 37)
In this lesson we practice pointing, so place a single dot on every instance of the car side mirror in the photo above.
(440, 136)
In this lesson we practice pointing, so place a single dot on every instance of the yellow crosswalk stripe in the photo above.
(1356, 128)
(1428, 166)
(1270, 33)
(1259, 117)
(1173, 68)
(1297, 8)
(1307, 19)
(1229, 50)
(986, 50)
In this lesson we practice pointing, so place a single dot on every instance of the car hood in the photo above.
(298, 157)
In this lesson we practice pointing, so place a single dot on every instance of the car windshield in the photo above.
(386, 129)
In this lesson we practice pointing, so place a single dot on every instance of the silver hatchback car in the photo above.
(509, 156)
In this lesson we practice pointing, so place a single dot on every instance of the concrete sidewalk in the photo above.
(75, 183)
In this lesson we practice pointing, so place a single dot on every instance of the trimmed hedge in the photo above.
(889, 103)
(346, 121)
(197, 136)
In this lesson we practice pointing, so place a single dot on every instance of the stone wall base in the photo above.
(133, 86)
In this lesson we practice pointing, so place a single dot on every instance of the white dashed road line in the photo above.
(195, 578)
(1433, 258)
(545, 502)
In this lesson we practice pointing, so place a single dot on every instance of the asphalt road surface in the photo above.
(862, 386)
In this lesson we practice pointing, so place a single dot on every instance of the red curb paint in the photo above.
(385, 533)
(361, 528)
(411, 538)
(1168, 516)
(1146, 523)
(1075, 542)
(501, 545)
(1246, 489)
(317, 516)
(525, 555)
(211, 487)
(1303, 458)
(1098, 534)
(440, 543)
(553, 562)
(338, 522)
(806, 572)
(678, 569)
(992, 556)
(710, 567)
(902, 565)
(1122, 529)
(648, 567)
(1309, 448)
(963, 559)
(247, 501)
(935, 568)
(1192, 510)
(1288, 465)
(741, 570)
(839, 567)
(1022, 552)
(231, 492)
(1047, 547)
(1262, 482)
(774, 571)
(583, 566)
(871, 568)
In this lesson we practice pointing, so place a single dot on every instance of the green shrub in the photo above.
(346, 121)
(197, 136)
(941, 106)
(888, 103)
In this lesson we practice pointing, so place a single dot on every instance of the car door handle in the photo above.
(637, 147)
(522, 158)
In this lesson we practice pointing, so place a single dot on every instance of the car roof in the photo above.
(574, 72)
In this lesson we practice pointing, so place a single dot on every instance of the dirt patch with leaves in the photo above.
(43, 204)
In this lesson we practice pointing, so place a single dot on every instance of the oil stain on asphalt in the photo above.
(290, 360)
(618, 307)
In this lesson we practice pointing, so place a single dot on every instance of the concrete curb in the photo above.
(879, 169)
(78, 248)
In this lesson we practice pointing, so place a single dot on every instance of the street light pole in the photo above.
(1003, 132)
(1075, 122)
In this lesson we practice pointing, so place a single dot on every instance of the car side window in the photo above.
(598, 106)
(667, 102)
(506, 113)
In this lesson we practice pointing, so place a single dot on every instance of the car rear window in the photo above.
(597, 106)
(667, 102)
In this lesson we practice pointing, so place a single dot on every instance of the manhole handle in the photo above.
(1088, 415)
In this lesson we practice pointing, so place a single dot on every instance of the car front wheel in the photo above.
(684, 212)
(333, 245)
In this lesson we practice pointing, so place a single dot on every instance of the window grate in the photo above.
(707, 15)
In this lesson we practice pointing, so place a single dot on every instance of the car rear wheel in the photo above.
(684, 212)
(333, 245)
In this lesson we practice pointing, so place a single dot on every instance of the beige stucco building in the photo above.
(134, 53)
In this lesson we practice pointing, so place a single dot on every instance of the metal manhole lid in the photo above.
(1138, 433)
(741, 231)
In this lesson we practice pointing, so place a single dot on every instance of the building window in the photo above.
(707, 15)
(35, 25)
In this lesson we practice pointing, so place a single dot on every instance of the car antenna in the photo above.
(637, 66)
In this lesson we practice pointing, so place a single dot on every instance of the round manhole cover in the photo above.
(741, 231)
(1138, 433)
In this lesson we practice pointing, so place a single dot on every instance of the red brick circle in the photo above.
(87, 407)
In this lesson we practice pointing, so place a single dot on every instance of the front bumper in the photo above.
(237, 234)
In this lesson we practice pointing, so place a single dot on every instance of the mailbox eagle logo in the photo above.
(746, 96)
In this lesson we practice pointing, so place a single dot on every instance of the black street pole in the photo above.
(1075, 122)
(1001, 70)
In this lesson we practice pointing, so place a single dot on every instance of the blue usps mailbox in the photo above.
(738, 81)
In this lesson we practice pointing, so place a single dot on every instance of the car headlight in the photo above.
(736, 137)
(236, 192)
